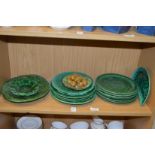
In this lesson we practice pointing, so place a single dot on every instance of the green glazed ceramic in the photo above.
(84, 76)
(74, 102)
(116, 84)
(118, 101)
(72, 97)
(59, 86)
(25, 88)
(117, 97)
(142, 79)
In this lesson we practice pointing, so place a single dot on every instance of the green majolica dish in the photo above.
(74, 102)
(72, 97)
(82, 75)
(67, 95)
(142, 79)
(116, 84)
(118, 101)
(60, 87)
(25, 88)
(116, 97)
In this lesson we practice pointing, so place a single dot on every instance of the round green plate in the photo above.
(59, 86)
(118, 101)
(25, 88)
(116, 97)
(86, 77)
(116, 84)
(72, 97)
(74, 102)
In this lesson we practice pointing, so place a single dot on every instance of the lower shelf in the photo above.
(99, 107)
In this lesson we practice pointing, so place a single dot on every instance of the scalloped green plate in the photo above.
(25, 88)
(72, 97)
(74, 102)
(59, 86)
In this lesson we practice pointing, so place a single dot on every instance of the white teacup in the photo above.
(98, 120)
(97, 126)
(97, 123)
(115, 125)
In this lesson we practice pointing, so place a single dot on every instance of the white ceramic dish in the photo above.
(58, 125)
(60, 27)
(29, 122)
(79, 125)
(115, 125)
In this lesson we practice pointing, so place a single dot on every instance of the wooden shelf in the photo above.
(75, 33)
(48, 105)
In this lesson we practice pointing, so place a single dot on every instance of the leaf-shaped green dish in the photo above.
(142, 79)
(15, 90)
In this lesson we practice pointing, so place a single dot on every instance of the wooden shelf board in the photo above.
(75, 33)
(48, 105)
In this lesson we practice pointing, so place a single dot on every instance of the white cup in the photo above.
(115, 125)
(98, 120)
(97, 123)
(97, 126)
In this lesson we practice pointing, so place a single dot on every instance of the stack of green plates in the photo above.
(70, 96)
(25, 88)
(116, 88)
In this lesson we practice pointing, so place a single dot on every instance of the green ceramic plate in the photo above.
(117, 97)
(84, 76)
(59, 86)
(118, 101)
(116, 84)
(25, 88)
(142, 79)
(74, 102)
(72, 97)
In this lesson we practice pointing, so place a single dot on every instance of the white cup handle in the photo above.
(106, 125)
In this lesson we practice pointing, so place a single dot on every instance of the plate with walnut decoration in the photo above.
(77, 81)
